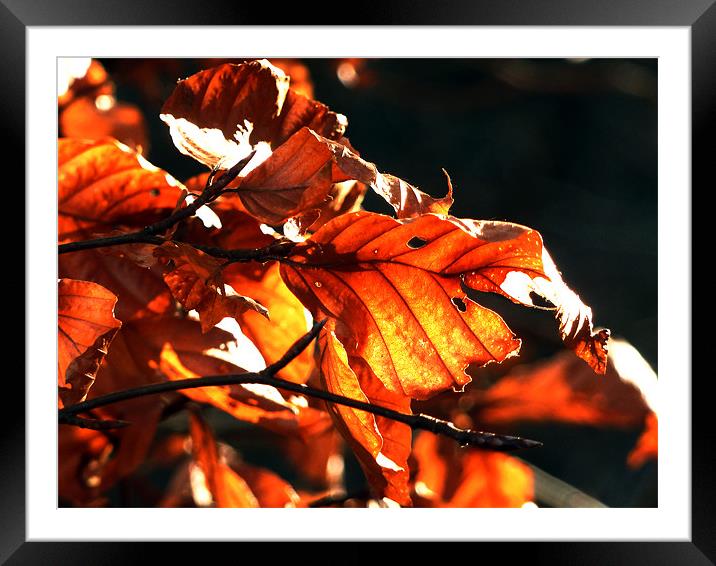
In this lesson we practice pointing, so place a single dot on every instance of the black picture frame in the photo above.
(699, 15)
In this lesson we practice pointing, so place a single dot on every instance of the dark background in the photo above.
(568, 147)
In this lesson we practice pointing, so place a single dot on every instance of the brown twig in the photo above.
(149, 234)
(267, 376)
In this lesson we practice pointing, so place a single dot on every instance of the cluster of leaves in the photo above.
(220, 275)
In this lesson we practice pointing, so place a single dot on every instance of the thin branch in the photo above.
(149, 235)
(267, 376)
(94, 424)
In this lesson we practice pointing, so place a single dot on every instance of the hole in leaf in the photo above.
(539, 301)
(459, 304)
(154, 192)
(416, 242)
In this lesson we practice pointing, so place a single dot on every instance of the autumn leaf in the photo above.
(195, 280)
(86, 326)
(400, 308)
(81, 455)
(226, 488)
(381, 445)
(270, 489)
(450, 476)
(141, 291)
(647, 447)
(300, 174)
(218, 115)
(287, 321)
(100, 117)
(395, 288)
(257, 403)
(562, 389)
(80, 77)
(536, 274)
(133, 361)
(104, 183)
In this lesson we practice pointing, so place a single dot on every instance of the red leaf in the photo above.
(86, 326)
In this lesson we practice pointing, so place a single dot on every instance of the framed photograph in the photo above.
(405, 275)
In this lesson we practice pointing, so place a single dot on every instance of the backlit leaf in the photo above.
(563, 389)
(381, 445)
(255, 403)
(216, 116)
(196, 281)
(226, 488)
(300, 174)
(647, 447)
(86, 326)
(450, 476)
(103, 184)
(396, 289)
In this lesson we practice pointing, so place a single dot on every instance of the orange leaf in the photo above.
(269, 488)
(255, 403)
(101, 116)
(450, 476)
(400, 308)
(381, 445)
(647, 447)
(141, 292)
(562, 389)
(217, 115)
(395, 288)
(288, 319)
(86, 326)
(226, 487)
(104, 183)
(300, 174)
(195, 280)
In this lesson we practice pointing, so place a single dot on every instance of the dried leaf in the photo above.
(216, 116)
(95, 118)
(299, 176)
(86, 326)
(396, 288)
(225, 486)
(104, 183)
(450, 476)
(255, 403)
(195, 280)
(647, 447)
(381, 445)
(562, 389)
(400, 308)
